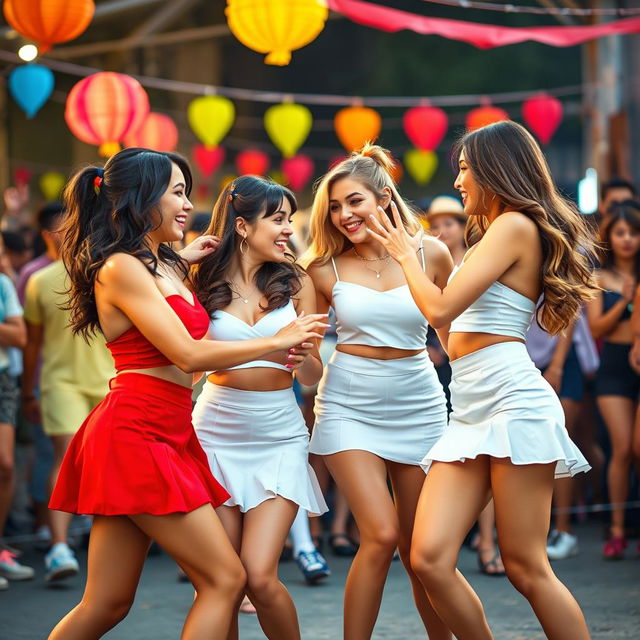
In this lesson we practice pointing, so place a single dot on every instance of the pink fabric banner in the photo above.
(483, 36)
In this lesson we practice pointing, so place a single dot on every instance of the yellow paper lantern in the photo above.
(288, 126)
(276, 27)
(356, 125)
(421, 165)
(210, 118)
(51, 183)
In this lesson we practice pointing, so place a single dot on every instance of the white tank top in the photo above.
(500, 311)
(225, 326)
(378, 318)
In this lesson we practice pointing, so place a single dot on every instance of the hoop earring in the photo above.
(246, 245)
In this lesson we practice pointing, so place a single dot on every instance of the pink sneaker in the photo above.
(614, 548)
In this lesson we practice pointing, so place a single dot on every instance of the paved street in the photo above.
(609, 593)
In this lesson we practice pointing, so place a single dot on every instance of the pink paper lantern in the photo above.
(252, 162)
(208, 159)
(298, 171)
(543, 115)
(425, 126)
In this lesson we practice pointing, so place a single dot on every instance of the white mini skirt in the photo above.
(504, 408)
(395, 409)
(258, 446)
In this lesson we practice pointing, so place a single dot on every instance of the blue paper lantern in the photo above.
(31, 85)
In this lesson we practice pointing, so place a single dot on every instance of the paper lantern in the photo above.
(356, 125)
(210, 118)
(207, 159)
(543, 115)
(252, 162)
(104, 108)
(288, 126)
(22, 176)
(425, 126)
(298, 171)
(51, 184)
(157, 132)
(276, 27)
(421, 165)
(484, 115)
(31, 85)
(49, 22)
(336, 160)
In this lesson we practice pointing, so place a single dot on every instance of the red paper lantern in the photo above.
(48, 22)
(208, 159)
(22, 176)
(484, 115)
(543, 115)
(252, 162)
(157, 132)
(298, 171)
(104, 108)
(425, 126)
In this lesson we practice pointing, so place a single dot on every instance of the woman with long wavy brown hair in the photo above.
(506, 434)
(246, 417)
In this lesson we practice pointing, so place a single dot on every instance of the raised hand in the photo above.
(303, 329)
(398, 243)
(199, 249)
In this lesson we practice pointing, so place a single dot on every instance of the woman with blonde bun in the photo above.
(380, 406)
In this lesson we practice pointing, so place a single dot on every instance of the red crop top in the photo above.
(132, 350)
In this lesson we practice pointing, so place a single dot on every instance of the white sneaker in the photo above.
(60, 563)
(561, 545)
(12, 570)
(4, 584)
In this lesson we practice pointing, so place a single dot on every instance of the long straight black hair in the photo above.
(110, 211)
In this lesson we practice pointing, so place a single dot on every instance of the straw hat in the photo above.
(446, 206)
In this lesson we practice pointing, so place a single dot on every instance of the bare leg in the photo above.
(198, 543)
(563, 488)
(362, 477)
(486, 543)
(322, 473)
(7, 476)
(522, 496)
(264, 532)
(407, 481)
(117, 550)
(453, 495)
(59, 520)
(619, 415)
(231, 519)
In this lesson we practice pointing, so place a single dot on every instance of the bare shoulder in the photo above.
(434, 249)
(124, 271)
(306, 282)
(321, 272)
(514, 223)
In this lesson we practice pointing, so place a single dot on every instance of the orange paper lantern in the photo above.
(157, 132)
(356, 125)
(104, 108)
(252, 162)
(484, 115)
(49, 22)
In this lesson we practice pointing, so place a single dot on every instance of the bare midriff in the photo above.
(377, 353)
(170, 373)
(252, 379)
(621, 334)
(462, 344)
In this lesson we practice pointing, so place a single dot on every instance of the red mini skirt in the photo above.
(137, 453)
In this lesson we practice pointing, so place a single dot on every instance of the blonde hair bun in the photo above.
(379, 155)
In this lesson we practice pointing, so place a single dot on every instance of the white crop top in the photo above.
(499, 311)
(378, 318)
(225, 326)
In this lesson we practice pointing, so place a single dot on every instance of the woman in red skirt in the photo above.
(135, 464)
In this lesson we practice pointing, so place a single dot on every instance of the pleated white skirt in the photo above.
(395, 409)
(504, 408)
(258, 446)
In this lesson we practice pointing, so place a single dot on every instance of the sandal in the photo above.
(342, 545)
(490, 568)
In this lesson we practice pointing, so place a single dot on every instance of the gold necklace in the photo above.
(384, 266)
(243, 298)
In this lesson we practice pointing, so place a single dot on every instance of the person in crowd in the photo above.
(617, 384)
(15, 255)
(506, 433)
(247, 418)
(154, 481)
(614, 190)
(12, 334)
(198, 224)
(380, 405)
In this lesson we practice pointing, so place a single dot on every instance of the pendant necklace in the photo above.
(385, 258)
(245, 300)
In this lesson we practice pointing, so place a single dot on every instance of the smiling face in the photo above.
(624, 240)
(350, 205)
(267, 237)
(173, 208)
(470, 190)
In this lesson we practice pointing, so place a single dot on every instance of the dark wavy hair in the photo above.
(253, 197)
(627, 211)
(507, 164)
(114, 217)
